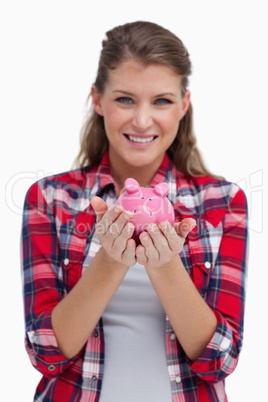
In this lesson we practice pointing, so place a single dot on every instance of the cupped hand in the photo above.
(162, 242)
(114, 231)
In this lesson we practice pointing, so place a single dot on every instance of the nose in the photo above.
(142, 119)
(142, 210)
(142, 217)
(143, 214)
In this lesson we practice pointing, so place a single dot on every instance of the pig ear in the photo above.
(132, 186)
(161, 189)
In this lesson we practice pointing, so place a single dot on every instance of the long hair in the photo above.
(147, 43)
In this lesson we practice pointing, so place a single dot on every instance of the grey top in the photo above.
(135, 367)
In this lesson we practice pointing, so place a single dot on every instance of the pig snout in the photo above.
(142, 212)
(142, 216)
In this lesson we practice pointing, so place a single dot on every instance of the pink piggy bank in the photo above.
(149, 205)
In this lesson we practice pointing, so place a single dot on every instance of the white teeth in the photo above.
(139, 139)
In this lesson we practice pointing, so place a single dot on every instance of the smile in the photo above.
(142, 140)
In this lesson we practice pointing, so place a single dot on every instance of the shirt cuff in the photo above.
(41, 345)
(220, 356)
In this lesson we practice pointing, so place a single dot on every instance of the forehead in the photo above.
(134, 74)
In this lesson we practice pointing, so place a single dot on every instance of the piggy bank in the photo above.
(149, 205)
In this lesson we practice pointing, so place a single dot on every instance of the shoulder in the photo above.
(77, 177)
(218, 188)
(207, 187)
(209, 197)
(69, 184)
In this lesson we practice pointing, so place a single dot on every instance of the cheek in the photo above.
(171, 122)
(111, 117)
(115, 119)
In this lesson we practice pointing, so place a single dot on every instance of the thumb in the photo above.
(99, 206)
(184, 227)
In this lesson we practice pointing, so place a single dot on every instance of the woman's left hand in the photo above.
(162, 242)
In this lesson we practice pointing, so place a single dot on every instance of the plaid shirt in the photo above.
(59, 241)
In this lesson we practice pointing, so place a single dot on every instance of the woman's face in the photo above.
(142, 107)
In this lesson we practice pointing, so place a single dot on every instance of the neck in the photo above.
(142, 178)
(144, 175)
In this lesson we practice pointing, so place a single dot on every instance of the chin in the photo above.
(140, 161)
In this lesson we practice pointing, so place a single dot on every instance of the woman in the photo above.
(110, 320)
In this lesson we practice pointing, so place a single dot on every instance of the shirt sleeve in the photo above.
(43, 286)
(226, 294)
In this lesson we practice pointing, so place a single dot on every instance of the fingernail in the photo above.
(116, 209)
(127, 214)
(129, 227)
(164, 225)
(145, 237)
(154, 228)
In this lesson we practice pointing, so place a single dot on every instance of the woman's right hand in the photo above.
(114, 231)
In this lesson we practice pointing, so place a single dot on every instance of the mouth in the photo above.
(140, 140)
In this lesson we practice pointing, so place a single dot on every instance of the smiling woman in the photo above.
(140, 127)
(149, 46)
(166, 314)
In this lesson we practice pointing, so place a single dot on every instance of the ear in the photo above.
(185, 103)
(132, 186)
(161, 189)
(96, 100)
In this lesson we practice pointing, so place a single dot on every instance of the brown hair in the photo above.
(148, 43)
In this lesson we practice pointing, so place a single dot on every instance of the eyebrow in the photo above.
(157, 96)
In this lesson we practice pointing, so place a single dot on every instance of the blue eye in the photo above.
(163, 101)
(125, 100)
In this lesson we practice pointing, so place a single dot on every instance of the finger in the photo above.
(121, 219)
(116, 247)
(120, 241)
(105, 220)
(128, 256)
(159, 240)
(171, 235)
(184, 227)
(100, 207)
(150, 251)
(123, 247)
(140, 254)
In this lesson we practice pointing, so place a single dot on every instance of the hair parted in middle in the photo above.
(147, 43)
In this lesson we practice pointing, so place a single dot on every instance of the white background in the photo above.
(49, 54)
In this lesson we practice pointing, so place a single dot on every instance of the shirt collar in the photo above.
(104, 176)
(166, 173)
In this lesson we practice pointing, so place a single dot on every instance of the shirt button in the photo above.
(96, 334)
(66, 261)
(94, 378)
(172, 336)
(178, 379)
(51, 367)
(207, 264)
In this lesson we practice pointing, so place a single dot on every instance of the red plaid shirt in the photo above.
(59, 241)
